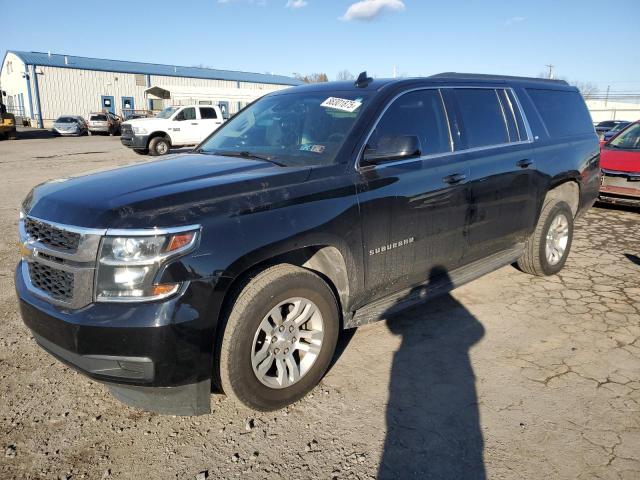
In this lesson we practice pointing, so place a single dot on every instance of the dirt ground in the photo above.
(510, 377)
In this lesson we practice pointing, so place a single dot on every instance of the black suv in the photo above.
(315, 209)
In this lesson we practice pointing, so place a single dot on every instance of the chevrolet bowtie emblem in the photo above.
(24, 251)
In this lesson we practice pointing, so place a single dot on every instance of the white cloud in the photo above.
(296, 3)
(370, 9)
(513, 20)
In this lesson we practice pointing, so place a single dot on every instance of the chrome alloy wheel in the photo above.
(557, 239)
(287, 343)
(162, 148)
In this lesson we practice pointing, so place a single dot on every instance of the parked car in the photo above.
(603, 127)
(172, 127)
(620, 162)
(316, 208)
(70, 125)
(104, 122)
(608, 135)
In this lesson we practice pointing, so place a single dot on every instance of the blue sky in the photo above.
(420, 37)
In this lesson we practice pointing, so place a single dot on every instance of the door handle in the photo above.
(454, 178)
(524, 163)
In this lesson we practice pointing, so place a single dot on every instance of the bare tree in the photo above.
(345, 75)
(587, 89)
(312, 77)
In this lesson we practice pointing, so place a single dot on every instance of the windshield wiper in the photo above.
(245, 154)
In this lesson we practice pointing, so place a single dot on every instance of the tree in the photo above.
(312, 77)
(345, 75)
(587, 89)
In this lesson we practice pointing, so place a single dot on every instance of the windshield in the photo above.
(618, 127)
(629, 139)
(167, 112)
(66, 120)
(306, 128)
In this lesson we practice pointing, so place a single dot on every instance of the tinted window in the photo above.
(187, 114)
(482, 118)
(207, 113)
(418, 113)
(99, 118)
(563, 112)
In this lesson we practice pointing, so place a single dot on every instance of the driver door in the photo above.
(413, 210)
(185, 128)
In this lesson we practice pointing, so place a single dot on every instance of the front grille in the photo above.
(56, 283)
(51, 236)
(125, 129)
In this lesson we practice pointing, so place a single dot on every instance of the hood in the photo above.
(620, 160)
(175, 191)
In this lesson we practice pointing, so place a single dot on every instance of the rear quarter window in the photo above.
(563, 112)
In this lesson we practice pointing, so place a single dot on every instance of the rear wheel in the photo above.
(547, 249)
(279, 338)
(159, 146)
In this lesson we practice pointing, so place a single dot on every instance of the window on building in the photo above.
(156, 104)
(420, 113)
(141, 81)
(207, 112)
(482, 118)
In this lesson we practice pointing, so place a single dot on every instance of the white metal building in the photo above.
(43, 86)
(606, 110)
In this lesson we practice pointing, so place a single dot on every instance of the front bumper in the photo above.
(621, 188)
(134, 141)
(157, 356)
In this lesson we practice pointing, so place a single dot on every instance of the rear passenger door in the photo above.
(412, 210)
(209, 122)
(494, 141)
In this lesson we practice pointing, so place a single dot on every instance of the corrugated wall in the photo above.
(66, 91)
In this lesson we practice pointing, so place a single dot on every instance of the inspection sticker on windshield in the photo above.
(312, 148)
(343, 104)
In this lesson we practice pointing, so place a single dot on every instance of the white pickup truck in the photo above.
(173, 127)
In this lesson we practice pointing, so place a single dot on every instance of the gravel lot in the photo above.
(510, 377)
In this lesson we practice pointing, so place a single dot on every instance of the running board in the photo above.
(396, 302)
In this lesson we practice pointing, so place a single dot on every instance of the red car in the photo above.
(620, 164)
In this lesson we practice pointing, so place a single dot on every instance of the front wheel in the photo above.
(279, 338)
(547, 249)
(159, 146)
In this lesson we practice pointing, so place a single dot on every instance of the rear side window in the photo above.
(483, 120)
(563, 112)
(206, 112)
(421, 114)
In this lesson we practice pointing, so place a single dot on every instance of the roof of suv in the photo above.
(450, 77)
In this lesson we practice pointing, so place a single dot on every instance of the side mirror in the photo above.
(396, 147)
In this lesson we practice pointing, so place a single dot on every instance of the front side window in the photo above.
(629, 139)
(420, 114)
(481, 115)
(186, 114)
(305, 128)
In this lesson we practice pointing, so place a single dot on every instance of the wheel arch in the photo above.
(159, 133)
(567, 190)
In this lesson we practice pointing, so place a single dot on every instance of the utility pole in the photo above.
(606, 97)
(550, 67)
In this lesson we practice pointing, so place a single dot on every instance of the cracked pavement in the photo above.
(509, 377)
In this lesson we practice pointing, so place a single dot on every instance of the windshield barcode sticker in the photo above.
(343, 104)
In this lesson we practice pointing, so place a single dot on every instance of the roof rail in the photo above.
(482, 76)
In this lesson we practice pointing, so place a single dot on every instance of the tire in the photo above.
(159, 146)
(535, 259)
(239, 343)
(141, 151)
(13, 135)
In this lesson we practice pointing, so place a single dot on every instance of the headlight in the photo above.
(139, 130)
(129, 265)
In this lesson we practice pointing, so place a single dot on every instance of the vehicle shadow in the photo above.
(632, 258)
(29, 133)
(433, 423)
